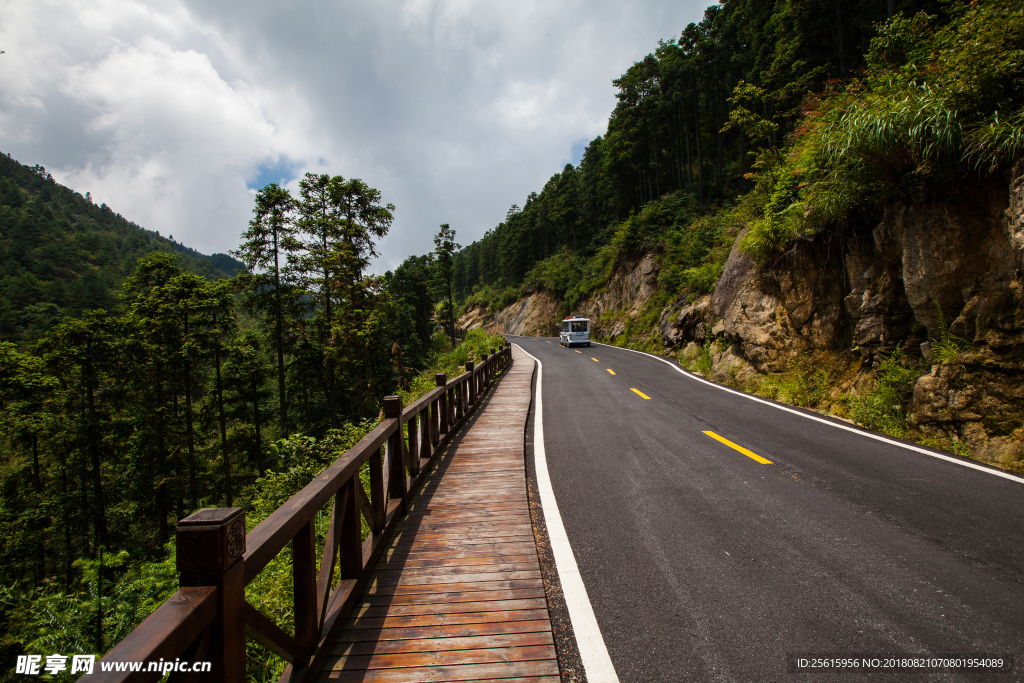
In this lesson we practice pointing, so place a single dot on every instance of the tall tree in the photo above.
(268, 241)
(325, 247)
(365, 218)
(444, 249)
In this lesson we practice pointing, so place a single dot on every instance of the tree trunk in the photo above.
(840, 32)
(700, 160)
(99, 513)
(37, 480)
(689, 162)
(256, 427)
(280, 340)
(743, 153)
(331, 404)
(223, 422)
(193, 483)
(161, 460)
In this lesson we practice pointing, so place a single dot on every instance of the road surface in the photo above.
(718, 537)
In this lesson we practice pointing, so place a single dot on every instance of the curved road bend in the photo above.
(703, 564)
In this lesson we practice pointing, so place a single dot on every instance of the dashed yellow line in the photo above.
(594, 359)
(611, 371)
(638, 392)
(741, 449)
(577, 351)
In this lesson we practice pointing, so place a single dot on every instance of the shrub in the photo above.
(884, 406)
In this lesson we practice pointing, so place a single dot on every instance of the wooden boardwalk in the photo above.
(457, 595)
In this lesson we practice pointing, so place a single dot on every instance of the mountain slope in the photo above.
(60, 254)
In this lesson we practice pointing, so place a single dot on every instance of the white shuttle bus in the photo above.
(575, 331)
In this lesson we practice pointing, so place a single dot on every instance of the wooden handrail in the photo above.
(208, 618)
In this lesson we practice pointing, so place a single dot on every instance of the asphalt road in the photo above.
(703, 564)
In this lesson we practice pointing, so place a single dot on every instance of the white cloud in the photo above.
(454, 109)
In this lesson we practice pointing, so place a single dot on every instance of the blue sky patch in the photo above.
(279, 171)
(577, 150)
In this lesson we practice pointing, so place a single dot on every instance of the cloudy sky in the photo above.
(172, 112)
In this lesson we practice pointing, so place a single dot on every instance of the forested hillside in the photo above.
(60, 254)
(149, 385)
(690, 121)
(819, 202)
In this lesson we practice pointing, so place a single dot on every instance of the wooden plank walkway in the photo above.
(457, 595)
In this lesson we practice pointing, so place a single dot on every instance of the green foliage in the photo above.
(695, 253)
(451, 361)
(996, 141)
(806, 384)
(115, 424)
(949, 348)
(884, 406)
(936, 102)
(60, 254)
(754, 126)
(702, 362)
(491, 299)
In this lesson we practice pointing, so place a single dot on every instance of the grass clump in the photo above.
(807, 385)
(884, 407)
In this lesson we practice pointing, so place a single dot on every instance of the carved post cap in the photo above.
(469, 366)
(210, 541)
(392, 406)
(440, 379)
(483, 356)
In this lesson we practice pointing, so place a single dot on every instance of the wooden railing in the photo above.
(208, 618)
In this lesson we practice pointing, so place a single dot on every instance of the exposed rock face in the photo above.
(688, 321)
(951, 265)
(924, 271)
(536, 314)
(473, 318)
(624, 296)
(779, 310)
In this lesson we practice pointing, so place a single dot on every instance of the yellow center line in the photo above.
(577, 351)
(594, 359)
(637, 391)
(547, 342)
(741, 449)
(611, 371)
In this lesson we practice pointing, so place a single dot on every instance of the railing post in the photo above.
(424, 415)
(377, 494)
(441, 380)
(396, 451)
(350, 542)
(210, 544)
(435, 420)
(304, 585)
(413, 450)
(472, 384)
(484, 369)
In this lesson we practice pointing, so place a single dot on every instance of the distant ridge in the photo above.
(61, 254)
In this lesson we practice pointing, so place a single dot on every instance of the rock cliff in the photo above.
(940, 279)
(939, 275)
(536, 314)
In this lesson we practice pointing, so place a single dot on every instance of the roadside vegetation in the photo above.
(746, 124)
(187, 389)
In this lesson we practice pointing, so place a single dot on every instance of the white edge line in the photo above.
(596, 662)
(876, 437)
